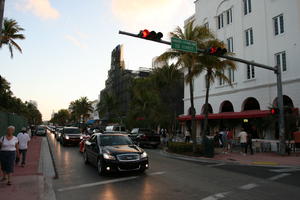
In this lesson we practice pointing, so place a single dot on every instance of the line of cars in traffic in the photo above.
(111, 150)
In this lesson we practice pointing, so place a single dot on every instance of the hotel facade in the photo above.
(264, 31)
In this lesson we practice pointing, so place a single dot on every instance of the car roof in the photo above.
(71, 127)
(111, 134)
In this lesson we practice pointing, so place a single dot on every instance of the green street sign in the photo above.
(184, 45)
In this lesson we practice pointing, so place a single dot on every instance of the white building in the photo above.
(264, 31)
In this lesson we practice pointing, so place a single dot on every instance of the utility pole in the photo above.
(276, 70)
(1, 14)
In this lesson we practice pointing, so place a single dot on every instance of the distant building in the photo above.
(94, 115)
(119, 81)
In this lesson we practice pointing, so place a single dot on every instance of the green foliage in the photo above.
(12, 104)
(181, 147)
(108, 107)
(80, 108)
(61, 118)
(155, 98)
(11, 32)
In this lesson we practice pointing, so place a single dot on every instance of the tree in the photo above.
(214, 67)
(9, 34)
(81, 108)
(62, 117)
(107, 106)
(189, 61)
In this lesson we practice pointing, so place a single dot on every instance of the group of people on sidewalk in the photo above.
(11, 150)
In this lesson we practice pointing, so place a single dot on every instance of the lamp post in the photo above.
(1, 14)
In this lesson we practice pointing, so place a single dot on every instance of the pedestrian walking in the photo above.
(23, 138)
(249, 143)
(8, 152)
(187, 135)
(243, 140)
(221, 133)
(225, 142)
(229, 140)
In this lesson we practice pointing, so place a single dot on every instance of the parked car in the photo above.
(114, 152)
(115, 129)
(145, 137)
(70, 135)
(41, 131)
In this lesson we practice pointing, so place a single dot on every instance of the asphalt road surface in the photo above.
(170, 178)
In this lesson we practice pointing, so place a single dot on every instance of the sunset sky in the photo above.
(68, 44)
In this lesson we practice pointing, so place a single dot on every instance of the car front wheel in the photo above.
(100, 168)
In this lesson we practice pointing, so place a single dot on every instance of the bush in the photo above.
(181, 147)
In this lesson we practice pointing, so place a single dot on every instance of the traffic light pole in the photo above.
(276, 70)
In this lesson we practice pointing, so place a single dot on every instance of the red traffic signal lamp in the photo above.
(145, 34)
(218, 51)
(274, 111)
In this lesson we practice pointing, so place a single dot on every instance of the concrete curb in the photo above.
(47, 169)
(211, 161)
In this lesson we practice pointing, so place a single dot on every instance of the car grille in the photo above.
(128, 157)
(129, 167)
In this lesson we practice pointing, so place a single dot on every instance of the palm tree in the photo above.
(107, 106)
(81, 107)
(9, 34)
(189, 61)
(214, 67)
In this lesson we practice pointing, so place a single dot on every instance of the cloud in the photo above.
(162, 14)
(75, 41)
(40, 8)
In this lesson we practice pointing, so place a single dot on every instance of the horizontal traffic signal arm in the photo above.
(204, 51)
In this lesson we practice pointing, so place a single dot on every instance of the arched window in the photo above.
(287, 101)
(250, 104)
(210, 110)
(226, 106)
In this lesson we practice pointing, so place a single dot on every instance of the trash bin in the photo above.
(208, 147)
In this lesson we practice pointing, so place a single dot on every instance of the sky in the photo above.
(67, 51)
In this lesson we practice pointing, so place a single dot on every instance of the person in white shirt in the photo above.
(243, 140)
(8, 152)
(24, 139)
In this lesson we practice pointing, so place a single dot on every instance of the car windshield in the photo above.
(113, 140)
(41, 129)
(72, 131)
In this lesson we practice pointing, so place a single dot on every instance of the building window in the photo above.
(229, 16)
(230, 44)
(220, 21)
(221, 80)
(281, 60)
(231, 75)
(249, 37)
(247, 7)
(250, 72)
(278, 24)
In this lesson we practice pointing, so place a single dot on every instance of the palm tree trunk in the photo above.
(206, 105)
(193, 115)
(1, 14)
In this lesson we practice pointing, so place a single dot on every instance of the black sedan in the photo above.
(114, 153)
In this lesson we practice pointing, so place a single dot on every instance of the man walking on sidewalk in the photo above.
(24, 139)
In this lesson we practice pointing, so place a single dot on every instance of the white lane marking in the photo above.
(285, 170)
(279, 176)
(216, 196)
(216, 165)
(156, 173)
(97, 183)
(248, 186)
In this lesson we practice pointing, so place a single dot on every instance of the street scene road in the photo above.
(170, 178)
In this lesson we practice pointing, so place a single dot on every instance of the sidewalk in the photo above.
(28, 182)
(270, 159)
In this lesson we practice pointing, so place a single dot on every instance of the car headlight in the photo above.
(81, 137)
(144, 155)
(67, 137)
(108, 156)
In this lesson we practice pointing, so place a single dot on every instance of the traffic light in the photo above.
(218, 51)
(145, 34)
(274, 111)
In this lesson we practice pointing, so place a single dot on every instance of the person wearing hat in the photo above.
(24, 139)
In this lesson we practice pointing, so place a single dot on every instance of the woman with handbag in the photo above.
(8, 152)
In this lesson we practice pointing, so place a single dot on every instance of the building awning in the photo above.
(230, 115)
